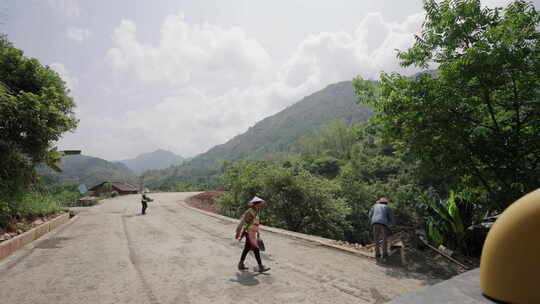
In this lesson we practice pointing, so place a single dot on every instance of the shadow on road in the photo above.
(132, 215)
(394, 268)
(247, 278)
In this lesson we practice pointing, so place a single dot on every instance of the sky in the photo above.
(185, 75)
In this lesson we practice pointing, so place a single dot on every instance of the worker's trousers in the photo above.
(380, 233)
(144, 206)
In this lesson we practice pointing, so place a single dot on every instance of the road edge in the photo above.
(310, 238)
(10, 246)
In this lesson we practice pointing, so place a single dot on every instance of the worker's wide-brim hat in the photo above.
(256, 200)
(383, 200)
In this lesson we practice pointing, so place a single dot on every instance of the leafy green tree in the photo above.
(35, 110)
(297, 200)
(302, 202)
(334, 139)
(374, 172)
(476, 119)
(243, 179)
(108, 188)
(327, 166)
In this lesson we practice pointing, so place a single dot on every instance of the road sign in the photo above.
(82, 189)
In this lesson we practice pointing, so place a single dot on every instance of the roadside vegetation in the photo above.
(450, 146)
(35, 110)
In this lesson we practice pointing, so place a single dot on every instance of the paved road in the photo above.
(110, 254)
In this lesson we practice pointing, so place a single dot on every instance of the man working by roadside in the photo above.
(381, 218)
(144, 201)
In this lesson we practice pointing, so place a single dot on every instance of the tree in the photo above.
(335, 139)
(35, 110)
(297, 200)
(477, 118)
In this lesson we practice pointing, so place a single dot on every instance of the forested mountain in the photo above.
(276, 134)
(280, 132)
(87, 170)
(159, 159)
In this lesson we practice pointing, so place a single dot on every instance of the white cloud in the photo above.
(70, 80)
(69, 8)
(78, 34)
(222, 81)
(189, 53)
(329, 57)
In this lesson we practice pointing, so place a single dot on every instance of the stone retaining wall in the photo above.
(9, 246)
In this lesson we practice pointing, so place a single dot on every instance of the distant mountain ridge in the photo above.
(87, 170)
(159, 159)
(278, 133)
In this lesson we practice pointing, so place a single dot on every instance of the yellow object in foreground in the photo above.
(510, 264)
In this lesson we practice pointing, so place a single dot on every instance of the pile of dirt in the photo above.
(206, 201)
(418, 258)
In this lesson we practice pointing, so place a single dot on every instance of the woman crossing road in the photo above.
(249, 228)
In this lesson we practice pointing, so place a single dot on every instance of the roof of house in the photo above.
(118, 185)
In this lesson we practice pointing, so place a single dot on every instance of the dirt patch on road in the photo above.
(206, 201)
(416, 258)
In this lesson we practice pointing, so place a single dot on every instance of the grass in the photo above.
(30, 205)
(39, 204)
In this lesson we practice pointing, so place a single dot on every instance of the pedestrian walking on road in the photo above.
(381, 217)
(249, 228)
(144, 201)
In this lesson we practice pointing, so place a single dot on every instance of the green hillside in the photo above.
(159, 159)
(273, 135)
(87, 170)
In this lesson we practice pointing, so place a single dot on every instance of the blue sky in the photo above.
(187, 75)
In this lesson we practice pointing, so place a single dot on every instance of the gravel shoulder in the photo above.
(111, 254)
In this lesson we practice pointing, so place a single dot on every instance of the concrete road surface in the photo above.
(111, 254)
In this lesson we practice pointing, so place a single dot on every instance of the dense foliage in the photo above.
(299, 200)
(447, 146)
(476, 120)
(35, 110)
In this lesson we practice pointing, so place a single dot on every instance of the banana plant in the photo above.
(54, 157)
(447, 222)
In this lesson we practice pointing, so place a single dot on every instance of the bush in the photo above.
(297, 200)
(34, 204)
(66, 194)
(302, 202)
(327, 166)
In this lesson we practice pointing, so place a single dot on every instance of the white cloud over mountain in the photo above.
(221, 81)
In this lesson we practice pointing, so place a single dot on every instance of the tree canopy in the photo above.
(35, 110)
(476, 118)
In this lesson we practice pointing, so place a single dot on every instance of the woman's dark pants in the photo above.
(247, 248)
